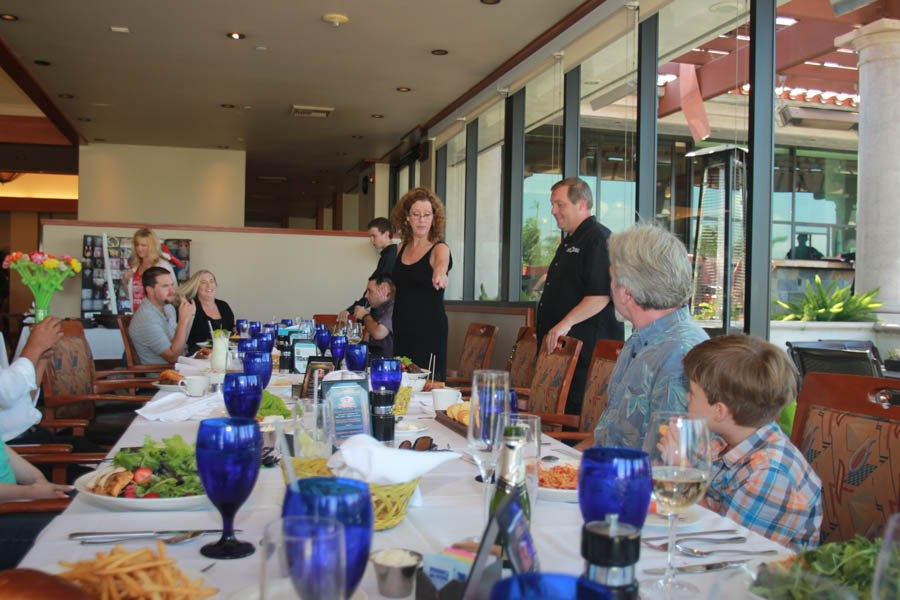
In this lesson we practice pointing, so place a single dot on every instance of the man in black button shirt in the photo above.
(380, 238)
(575, 301)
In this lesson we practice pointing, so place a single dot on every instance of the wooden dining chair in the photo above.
(478, 347)
(73, 388)
(850, 435)
(132, 362)
(330, 320)
(552, 377)
(522, 358)
(603, 362)
(59, 457)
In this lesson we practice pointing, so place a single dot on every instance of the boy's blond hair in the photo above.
(750, 376)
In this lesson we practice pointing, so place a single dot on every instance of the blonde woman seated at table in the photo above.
(211, 312)
(145, 253)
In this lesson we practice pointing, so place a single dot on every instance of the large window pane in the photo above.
(455, 203)
(543, 168)
(402, 181)
(488, 207)
(783, 179)
(826, 187)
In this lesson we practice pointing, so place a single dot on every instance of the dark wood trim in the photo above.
(70, 223)
(337, 214)
(510, 63)
(18, 73)
(46, 205)
(30, 130)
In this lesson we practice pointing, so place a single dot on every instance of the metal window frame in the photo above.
(471, 193)
(512, 186)
(647, 115)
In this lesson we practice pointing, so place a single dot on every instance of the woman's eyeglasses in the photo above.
(422, 444)
(420, 216)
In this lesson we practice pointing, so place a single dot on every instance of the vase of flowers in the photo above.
(43, 274)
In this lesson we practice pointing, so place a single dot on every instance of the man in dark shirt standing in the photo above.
(575, 300)
(380, 321)
(380, 238)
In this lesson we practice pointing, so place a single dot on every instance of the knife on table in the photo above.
(663, 538)
(130, 535)
(716, 566)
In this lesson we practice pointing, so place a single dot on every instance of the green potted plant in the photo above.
(831, 304)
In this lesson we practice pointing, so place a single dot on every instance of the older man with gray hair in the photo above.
(652, 281)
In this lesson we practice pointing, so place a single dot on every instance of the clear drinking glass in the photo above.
(679, 451)
(489, 404)
(531, 450)
(303, 557)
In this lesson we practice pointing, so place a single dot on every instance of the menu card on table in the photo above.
(349, 402)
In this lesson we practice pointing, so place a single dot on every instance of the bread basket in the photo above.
(389, 502)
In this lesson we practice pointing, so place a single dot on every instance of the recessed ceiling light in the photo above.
(235, 35)
(262, 48)
(42, 63)
(490, 1)
(85, 119)
(440, 52)
(724, 7)
(115, 29)
(377, 116)
(357, 137)
(226, 105)
(403, 89)
(9, 17)
(247, 107)
(66, 96)
(335, 19)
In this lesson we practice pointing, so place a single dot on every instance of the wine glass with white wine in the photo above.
(679, 449)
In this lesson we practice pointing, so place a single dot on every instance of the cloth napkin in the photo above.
(365, 458)
(176, 406)
(192, 366)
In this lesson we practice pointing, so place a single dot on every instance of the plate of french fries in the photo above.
(134, 575)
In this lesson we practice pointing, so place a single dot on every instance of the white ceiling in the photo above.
(163, 83)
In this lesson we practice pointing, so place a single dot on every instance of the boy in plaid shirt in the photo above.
(759, 479)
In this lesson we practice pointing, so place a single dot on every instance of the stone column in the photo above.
(878, 208)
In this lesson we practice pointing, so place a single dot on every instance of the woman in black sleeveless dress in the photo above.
(420, 277)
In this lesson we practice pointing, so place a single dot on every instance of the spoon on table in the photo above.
(687, 550)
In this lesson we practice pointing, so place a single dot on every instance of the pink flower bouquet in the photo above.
(43, 274)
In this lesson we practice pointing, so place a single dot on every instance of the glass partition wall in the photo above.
(455, 208)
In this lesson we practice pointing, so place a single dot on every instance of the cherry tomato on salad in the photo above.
(151, 495)
(143, 475)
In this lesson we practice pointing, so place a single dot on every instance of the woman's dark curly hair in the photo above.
(401, 212)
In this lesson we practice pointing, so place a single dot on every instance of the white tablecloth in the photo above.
(452, 511)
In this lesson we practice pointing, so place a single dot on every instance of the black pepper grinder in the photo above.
(381, 403)
(611, 550)
(286, 362)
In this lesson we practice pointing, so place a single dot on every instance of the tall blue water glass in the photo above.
(271, 328)
(259, 363)
(615, 480)
(246, 345)
(287, 322)
(228, 455)
(356, 355)
(242, 326)
(385, 374)
(254, 327)
(348, 501)
(308, 552)
(338, 347)
(265, 340)
(323, 338)
(243, 394)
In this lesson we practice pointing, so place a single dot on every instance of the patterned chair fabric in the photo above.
(478, 346)
(595, 398)
(858, 459)
(854, 447)
(71, 367)
(552, 376)
(521, 363)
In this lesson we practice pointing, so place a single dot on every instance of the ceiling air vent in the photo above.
(311, 112)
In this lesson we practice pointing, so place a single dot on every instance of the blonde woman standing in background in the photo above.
(145, 253)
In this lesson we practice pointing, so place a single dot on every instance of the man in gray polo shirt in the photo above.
(156, 336)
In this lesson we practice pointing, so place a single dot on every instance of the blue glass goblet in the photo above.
(246, 345)
(228, 455)
(271, 328)
(243, 327)
(539, 586)
(615, 480)
(258, 363)
(385, 374)
(338, 346)
(265, 340)
(254, 327)
(323, 338)
(243, 394)
(287, 322)
(348, 501)
(356, 355)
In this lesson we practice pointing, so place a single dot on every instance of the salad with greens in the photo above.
(161, 469)
(272, 405)
(850, 564)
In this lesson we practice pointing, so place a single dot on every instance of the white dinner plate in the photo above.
(688, 517)
(557, 495)
(283, 589)
(208, 344)
(183, 503)
(413, 427)
(167, 387)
